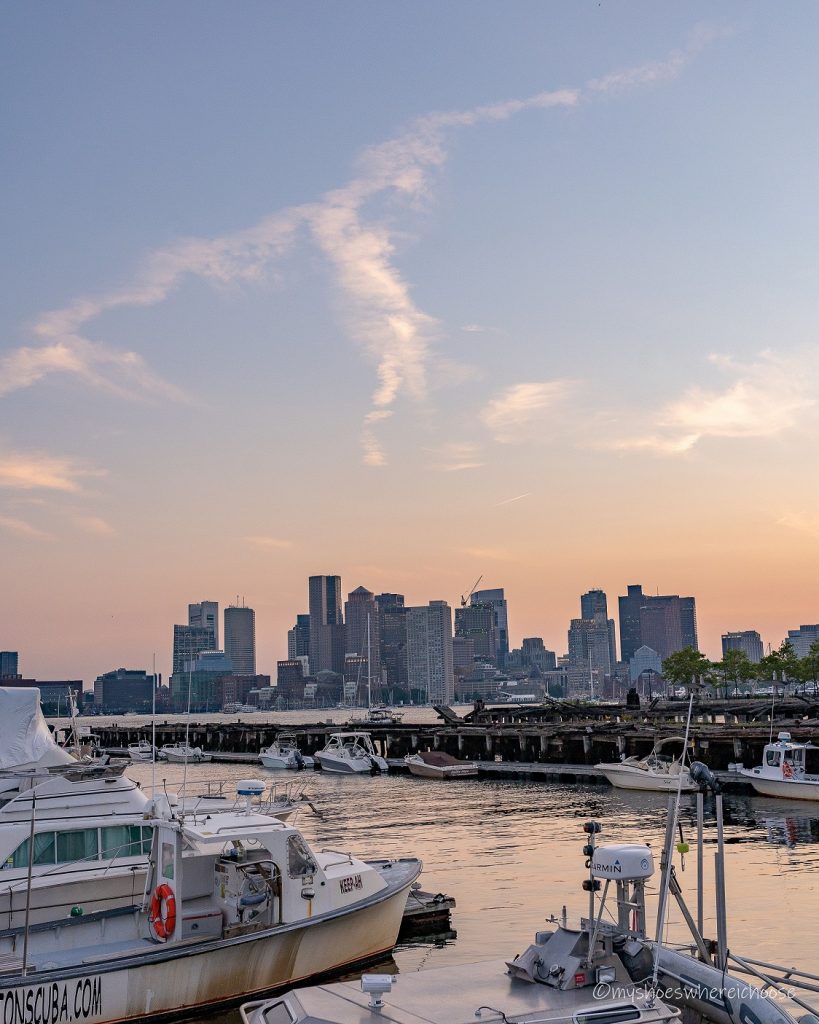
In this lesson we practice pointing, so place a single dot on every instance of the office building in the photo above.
(54, 693)
(240, 639)
(197, 684)
(594, 604)
(361, 628)
(124, 690)
(205, 614)
(476, 622)
(802, 638)
(392, 635)
(590, 650)
(188, 642)
(327, 647)
(429, 652)
(496, 598)
(8, 665)
(535, 655)
(747, 640)
(644, 661)
(666, 623)
(298, 638)
(629, 607)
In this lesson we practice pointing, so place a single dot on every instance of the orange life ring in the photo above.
(164, 925)
(787, 770)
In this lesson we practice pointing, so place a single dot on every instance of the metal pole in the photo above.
(700, 878)
(28, 887)
(722, 923)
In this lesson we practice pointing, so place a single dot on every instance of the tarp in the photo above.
(25, 739)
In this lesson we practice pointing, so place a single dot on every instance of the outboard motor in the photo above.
(704, 777)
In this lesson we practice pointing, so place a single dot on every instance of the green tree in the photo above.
(809, 666)
(780, 666)
(687, 667)
(736, 667)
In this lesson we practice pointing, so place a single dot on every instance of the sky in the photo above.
(408, 293)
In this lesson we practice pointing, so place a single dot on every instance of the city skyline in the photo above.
(416, 294)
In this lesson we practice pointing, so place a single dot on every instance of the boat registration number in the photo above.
(58, 1002)
(350, 883)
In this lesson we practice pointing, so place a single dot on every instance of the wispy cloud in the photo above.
(800, 521)
(269, 543)
(354, 234)
(36, 470)
(23, 529)
(767, 397)
(527, 411)
(455, 456)
(508, 501)
(95, 525)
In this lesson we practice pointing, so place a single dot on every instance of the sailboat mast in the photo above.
(369, 668)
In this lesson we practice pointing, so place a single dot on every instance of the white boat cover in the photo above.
(25, 739)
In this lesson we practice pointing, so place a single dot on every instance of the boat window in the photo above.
(772, 757)
(43, 851)
(147, 838)
(299, 859)
(122, 841)
(80, 844)
(812, 761)
(608, 1015)
(278, 1014)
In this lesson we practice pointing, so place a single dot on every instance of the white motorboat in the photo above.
(378, 714)
(350, 753)
(656, 773)
(91, 839)
(250, 908)
(283, 753)
(435, 764)
(141, 751)
(180, 753)
(788, 770)
(26, 743)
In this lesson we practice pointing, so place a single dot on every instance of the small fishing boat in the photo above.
(350, 753)
(788, 770)
(435, 764)
(141, 751)
(179, 753)
(250, 908)
(283, 753)
(656, 773)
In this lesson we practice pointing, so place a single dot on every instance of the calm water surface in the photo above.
(509, 851)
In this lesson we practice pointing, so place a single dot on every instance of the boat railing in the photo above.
(290, 791)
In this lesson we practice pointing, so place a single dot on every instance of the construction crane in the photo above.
(464, 600)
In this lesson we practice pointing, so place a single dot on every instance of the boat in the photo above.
(378, 714)
(141, 751)
(251, 909)
(607, 971)
(788, 769)
(655, 773)
(180, 753)
(435, 764)
(92, 839)
(350, 753)
(26, 743)
(283, 753)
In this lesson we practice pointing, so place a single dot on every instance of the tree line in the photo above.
(780, 667)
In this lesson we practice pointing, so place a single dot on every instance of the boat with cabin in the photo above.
(283, 753)
(233, 904)
(142, 750)
(182, 752)
(27, 746)
(655, 773)
(788, 769)
(350, 753)
(436, 764)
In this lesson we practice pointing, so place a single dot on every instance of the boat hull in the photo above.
(172, 981)
(277, 762)
(625, 778)
(173, 758)
(344, 765)
(787, 789)
(460, 771)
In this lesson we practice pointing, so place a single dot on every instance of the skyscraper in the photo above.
(747, 640)
(298, 638)
(594, 604)
(476, 622)
(666, 623)
(8, 665)
(802, 638)
(429, 651)
(206, 613)
(361, 628)
(188, 642)
(392, 632)
(240, 639)
(326, 625)
(630, 621)
(496, 598)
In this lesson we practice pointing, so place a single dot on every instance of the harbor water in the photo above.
(509, 851)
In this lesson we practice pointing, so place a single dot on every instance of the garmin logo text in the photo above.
(602, 868)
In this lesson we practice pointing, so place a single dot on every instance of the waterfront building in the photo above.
(327, 647)
(124, 689)
(644, 660)
(298, 638)
(747, 640)
(290, 676)
(197, 685)
(188, 642)
(496, 598)
(206, 614)
(53, 692)
(236, 689)
(802, 638)
(240, 639)
(392, 635)
(476, 622)
(8, 665)
(355, 678)
(463, 655)
(429, 652)
(360, 616)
